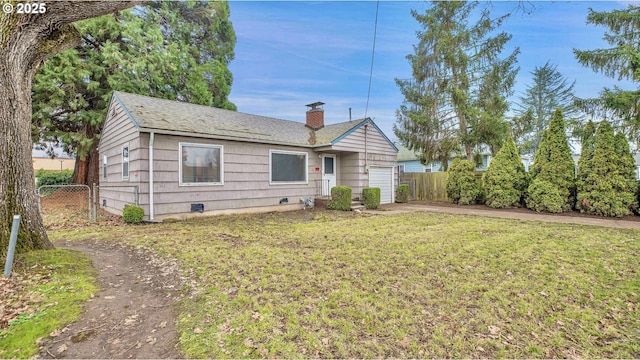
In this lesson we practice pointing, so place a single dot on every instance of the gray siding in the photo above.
(119, 130)
(245, 178)
(353, 164)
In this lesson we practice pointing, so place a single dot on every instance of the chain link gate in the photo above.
(65, 200)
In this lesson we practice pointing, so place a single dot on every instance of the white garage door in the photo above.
(382, 177)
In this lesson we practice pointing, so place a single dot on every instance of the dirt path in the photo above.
(520, 214)
(132, 316)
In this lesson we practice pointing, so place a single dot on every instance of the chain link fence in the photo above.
(64, 203)
(126, 194)
(74, 204)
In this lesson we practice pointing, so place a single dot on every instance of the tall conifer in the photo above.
(585, 164)
(505, 181)
(607, 191)
(553, 170)
(456, 98)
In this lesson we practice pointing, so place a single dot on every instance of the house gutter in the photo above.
(151, 139)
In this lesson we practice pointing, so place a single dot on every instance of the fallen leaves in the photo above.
(17, 301)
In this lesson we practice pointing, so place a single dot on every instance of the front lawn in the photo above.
(44, 293)
(336, 285)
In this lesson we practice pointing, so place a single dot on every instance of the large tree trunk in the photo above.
(26, 40)
(87, 170)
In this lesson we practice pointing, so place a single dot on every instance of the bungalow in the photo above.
(175, 159)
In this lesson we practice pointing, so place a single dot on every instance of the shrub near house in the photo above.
(505, 181)
(340, 198)
(403, 193)
(371, 197)
(462, 186)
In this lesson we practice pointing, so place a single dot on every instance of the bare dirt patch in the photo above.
(134, 314)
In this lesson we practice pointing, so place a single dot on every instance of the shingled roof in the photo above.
(153, 114)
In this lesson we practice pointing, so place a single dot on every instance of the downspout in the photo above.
(151, 139)
(366, 156)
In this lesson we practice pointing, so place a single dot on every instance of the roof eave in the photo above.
(219, 137)
(361, 124)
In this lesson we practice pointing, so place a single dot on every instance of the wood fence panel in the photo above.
(430, 186)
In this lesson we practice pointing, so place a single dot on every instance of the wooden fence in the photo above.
(429, 186)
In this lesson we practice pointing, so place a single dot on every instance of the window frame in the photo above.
(288, 152)
(206, 146)
(128, 162)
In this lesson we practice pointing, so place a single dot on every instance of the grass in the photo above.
(337, 285)
(69, 280)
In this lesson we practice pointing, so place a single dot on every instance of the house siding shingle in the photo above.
(246, 178)
(117, 131)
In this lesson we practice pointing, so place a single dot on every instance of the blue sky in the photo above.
(289, 54)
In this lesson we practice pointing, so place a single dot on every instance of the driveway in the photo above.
(519, 214)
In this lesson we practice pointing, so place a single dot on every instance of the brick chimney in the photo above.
(315, 116)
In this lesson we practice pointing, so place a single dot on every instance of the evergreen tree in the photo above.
(457, 96)
(462, 186)
(168, 49)
(626, 166)
(585, 164)
(606, 191)
(621, 61)
(553, 171)
(505, 181)
(550, 90)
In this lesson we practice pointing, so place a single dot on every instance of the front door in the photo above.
(328, 174)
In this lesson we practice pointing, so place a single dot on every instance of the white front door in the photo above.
(328, 174)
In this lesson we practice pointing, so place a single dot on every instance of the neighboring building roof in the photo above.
(405, 154)
(44, 151)
(153, 114)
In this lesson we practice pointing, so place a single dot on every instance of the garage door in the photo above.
(382, 177)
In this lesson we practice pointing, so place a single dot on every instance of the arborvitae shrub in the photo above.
(371, 197)
(627, 167)
(548, 197)
(585, 165)
(637, 210)
(553, 167)
(462, 186)
(132, 214)
(403, 193)
(340, 198)
(607, 189)
(505, 181)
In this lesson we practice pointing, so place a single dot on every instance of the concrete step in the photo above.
(355, 205)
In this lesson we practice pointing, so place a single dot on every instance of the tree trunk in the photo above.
(87, 170)
(26, 40)
(17, 182)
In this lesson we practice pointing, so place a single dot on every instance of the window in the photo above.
(401, 169)
(328, 165)
(288, 167)
(104, 167)
(200, 164)
(125, 162)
